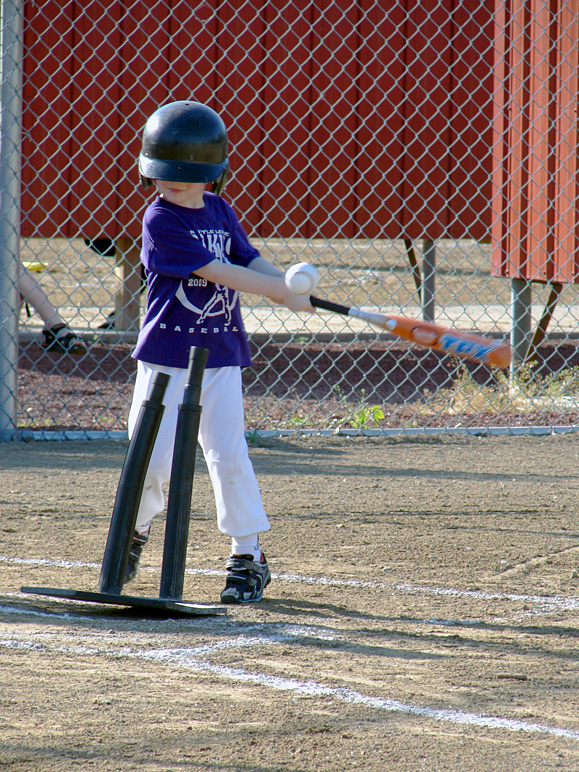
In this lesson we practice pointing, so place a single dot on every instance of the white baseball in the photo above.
(302, 278)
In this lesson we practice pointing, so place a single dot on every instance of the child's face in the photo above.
(188, 194)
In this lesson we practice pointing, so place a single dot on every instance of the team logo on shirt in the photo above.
(223, 300)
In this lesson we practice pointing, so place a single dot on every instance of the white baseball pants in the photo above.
(240, 510)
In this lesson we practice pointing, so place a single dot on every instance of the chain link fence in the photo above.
(364, 140)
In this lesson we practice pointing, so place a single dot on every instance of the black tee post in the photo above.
(181, 484)
(130, 487)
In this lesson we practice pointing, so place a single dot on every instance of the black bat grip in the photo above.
(328, 305)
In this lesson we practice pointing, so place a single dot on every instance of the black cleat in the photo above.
(137, 544)
(246, 579)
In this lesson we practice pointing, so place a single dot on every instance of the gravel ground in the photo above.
(423, 615)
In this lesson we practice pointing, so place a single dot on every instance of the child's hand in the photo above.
(298, 303)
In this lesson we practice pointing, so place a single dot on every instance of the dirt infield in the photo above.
(424, 615)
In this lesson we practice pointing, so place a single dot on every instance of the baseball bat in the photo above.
(449, 341)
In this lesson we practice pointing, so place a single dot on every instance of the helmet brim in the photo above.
(179, 171)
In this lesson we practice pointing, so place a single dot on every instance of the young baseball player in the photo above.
(197, 260)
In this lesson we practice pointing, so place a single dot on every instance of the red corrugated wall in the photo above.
(536, 140)
(329, 138)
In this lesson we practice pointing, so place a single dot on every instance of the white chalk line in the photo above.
(548, 602)
(48, 562)
(190, 659)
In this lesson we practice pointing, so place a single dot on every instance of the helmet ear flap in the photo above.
(146, 181)
(219, 184)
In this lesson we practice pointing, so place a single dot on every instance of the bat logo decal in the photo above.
(456, 345)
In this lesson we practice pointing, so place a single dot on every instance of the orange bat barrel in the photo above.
(449, 341)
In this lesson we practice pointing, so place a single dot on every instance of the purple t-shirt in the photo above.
(184, 310)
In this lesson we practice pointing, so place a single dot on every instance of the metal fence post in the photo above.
(522, 301)
(10, 135)
(428, 280)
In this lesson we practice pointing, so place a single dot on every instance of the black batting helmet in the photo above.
(185, 142)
